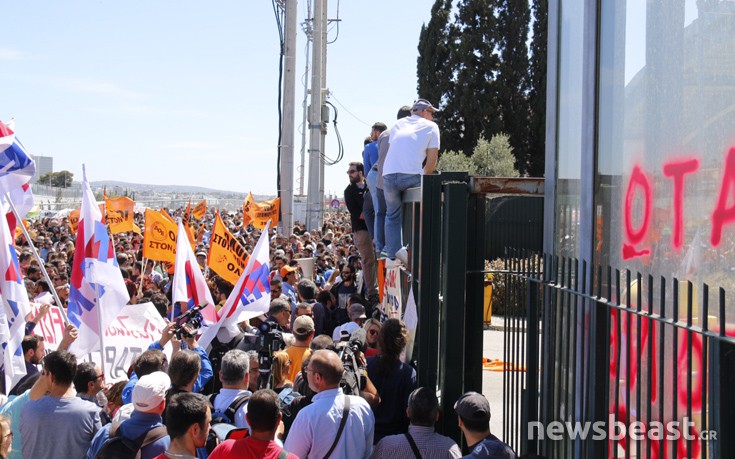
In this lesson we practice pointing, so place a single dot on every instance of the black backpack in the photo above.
(119, 447)
(223, 422)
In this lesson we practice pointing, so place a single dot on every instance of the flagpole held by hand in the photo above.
(38, 259)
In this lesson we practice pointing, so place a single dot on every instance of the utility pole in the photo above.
(317, 129)
(289, 116)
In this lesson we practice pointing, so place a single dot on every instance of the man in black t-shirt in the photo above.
(354, 198)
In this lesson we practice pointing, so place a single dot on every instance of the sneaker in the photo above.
(382, 254)
(402, 255)
(392, 263)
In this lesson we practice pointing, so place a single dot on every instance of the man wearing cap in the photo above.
(149, 403)
(303, 332)
(357, 318)
(289, 275)
(412, 140)
(201, 259)
(473, 411)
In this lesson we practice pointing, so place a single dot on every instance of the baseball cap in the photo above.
(473, 407)
(287, 269)
(201, 254)
(303, 325)
(357, 311)
(150, 391)
(423, 104)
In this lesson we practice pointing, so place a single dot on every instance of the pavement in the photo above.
(492, 381)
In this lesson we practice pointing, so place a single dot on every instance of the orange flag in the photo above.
(199, 210)
(247, 205)
(227, 257)
(120, 214)
(74, 220)
(187, 212)
(159, 237)
(261, 212)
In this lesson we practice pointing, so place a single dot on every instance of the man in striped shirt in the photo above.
(421, 441)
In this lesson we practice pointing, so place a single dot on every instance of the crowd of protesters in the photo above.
(334, 385)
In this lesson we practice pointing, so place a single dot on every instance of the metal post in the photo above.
(474, 306)
(530, 399)
(314, 200)
(453, 279)
(428, 282)
(288, 121)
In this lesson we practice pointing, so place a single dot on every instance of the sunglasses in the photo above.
(352, 171)
(373, 332)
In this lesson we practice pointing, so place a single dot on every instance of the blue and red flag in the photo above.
(15, 306)
(98, 290)
(251, 296)
(16, 170)
(189, 286)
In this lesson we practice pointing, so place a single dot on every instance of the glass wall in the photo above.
(569, 127)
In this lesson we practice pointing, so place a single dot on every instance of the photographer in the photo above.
(270, 338)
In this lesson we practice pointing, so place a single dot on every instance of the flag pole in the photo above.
(142, 275)
(38, 258)
(99, 321)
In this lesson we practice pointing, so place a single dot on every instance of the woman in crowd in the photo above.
(280, 367)
(393, 379)
(372, 329)
(6, 436)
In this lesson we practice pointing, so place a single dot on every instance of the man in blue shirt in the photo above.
(473, 411)
(373, 214)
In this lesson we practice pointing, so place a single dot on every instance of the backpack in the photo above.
(223, 422)
(119, 447)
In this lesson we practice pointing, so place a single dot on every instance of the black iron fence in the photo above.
(610, 363)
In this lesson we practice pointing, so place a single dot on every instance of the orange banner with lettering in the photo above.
(227, 257)
(249, 202)
(199, 210)
(261, 212)
(159, 237)
(120, 214)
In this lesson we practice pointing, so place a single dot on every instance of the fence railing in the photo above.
(610, 363)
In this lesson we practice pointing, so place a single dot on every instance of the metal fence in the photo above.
(607, 350)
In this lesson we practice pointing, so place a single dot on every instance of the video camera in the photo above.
(270, 341)
(349, 348)
(189, 322)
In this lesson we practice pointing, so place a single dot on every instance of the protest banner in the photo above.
(135, 328)
(187, 212)
(227, 257)
(159, 237)
(246, 209)
(120, 213)
(261, 212)
(199, 210)
(392, 295)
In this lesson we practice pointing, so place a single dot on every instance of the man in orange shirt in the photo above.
(303, 331)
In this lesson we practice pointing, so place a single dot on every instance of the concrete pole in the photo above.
(289, 117)
(325, 119)
(314, 200)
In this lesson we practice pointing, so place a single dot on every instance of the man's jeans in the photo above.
(376, 194)
(393, 186)
(369, 263)
(368, 212)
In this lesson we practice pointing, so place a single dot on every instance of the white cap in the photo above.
(150, 391)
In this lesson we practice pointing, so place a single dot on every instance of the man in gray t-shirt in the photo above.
(59, 424)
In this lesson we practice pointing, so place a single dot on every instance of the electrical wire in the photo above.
(337, 26)
(281, 57)
(340, 149)
(347, 110)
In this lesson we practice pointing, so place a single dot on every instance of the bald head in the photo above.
(327, 364)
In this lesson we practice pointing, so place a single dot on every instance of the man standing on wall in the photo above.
(354, 198)
(412, 140)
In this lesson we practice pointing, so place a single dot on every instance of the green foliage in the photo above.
(494, 158)
(59, 179)
(450, 161)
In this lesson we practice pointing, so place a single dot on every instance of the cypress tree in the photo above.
(432, 70)
(536, 150)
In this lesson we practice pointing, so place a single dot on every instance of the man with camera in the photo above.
(335, 425)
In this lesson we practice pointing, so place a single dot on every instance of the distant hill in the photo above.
(161, 188)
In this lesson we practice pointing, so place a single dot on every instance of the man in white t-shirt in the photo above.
(412, 140)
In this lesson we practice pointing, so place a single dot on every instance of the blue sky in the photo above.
(183, 92)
